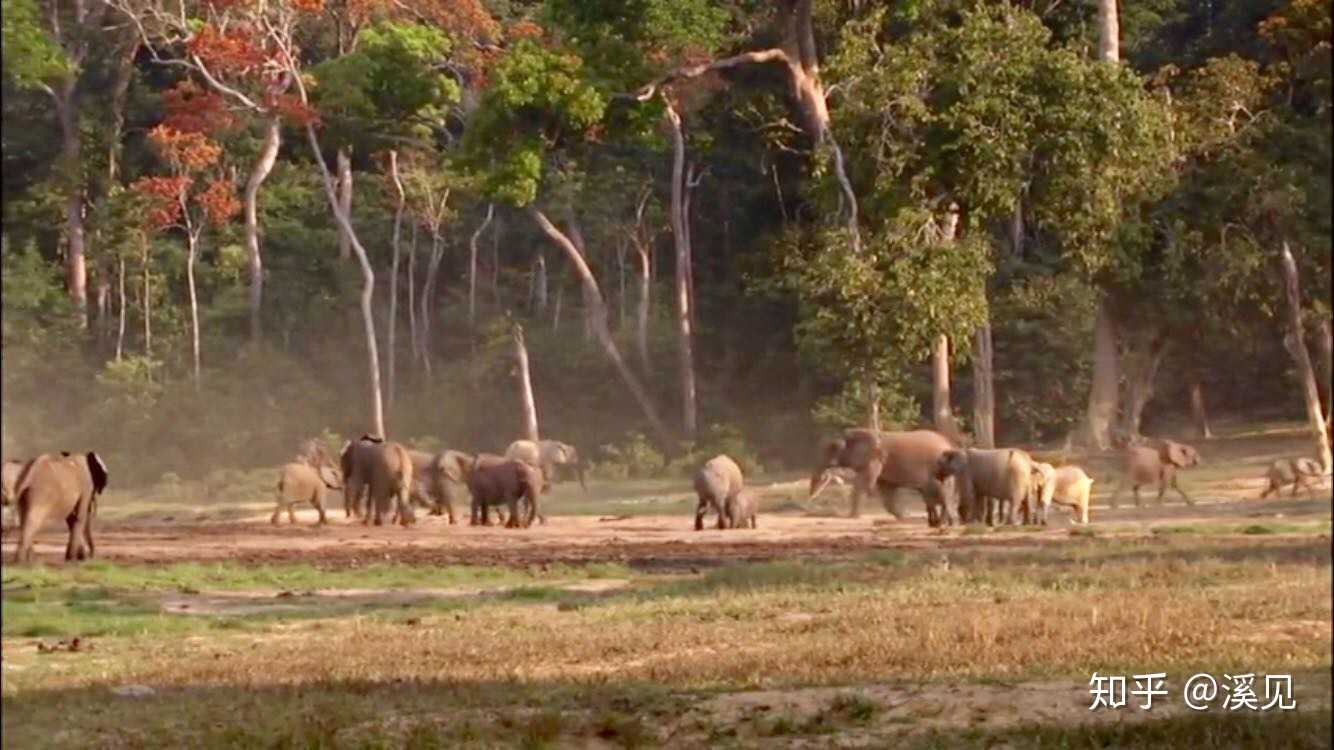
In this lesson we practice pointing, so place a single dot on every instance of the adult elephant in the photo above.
(887, 461)
(495, 480)
(717, 483)
(9, 480)
(384, 472)
(434, 476)
(1155, 462)
(61, 485)
(548, 455)
(989, 480)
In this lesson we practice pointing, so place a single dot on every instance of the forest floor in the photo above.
(616, 624)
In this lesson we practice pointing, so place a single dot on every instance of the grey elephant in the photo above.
(741, 509)
(64, 486)
(549, 456)
(992, 482)
(717, 482)
(495, 480)
(887, 461)
(434, 476)
(1156, 462)
(1291, 471)
(383, 471)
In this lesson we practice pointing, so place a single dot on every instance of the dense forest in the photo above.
(704, 224)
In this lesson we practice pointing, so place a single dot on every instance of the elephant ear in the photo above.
(372, 438)
(99, 472)
(1176, 453)
(329, 476)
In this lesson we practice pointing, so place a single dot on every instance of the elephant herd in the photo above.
(383, 480)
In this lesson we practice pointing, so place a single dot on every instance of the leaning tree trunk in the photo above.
(685, 337)
(1296, 345)
(367, 280)
(984, 389)
(1198, 411)
(526, 400)
(1140, 378)
(593, 303)
(268, 156)
(472, 266)
(76, 270)
(344, 200)
(395, 242)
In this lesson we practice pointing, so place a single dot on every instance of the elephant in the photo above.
(1040, 494)
(887, 461)
(547, 455)
(717, 482)
(301, 482)
(65, 485)
(496, 480)
(1073, 487)
(990, 480)
(384, 471)
(740, 510)
(433, 477)
(9, 480)
(1156, 462)
(1291, 471)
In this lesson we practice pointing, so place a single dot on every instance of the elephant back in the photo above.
(910, 456)
(722, 473)
(526, 451)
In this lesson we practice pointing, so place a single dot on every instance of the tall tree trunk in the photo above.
(1015, 229)
(428, 294)
(344, 200)
(540, 282)
(984, 389)
(71, 147)
(342, 217)
(641, 314)
(268, 156)
(495, 265)
(393, 272)
(414, 338)
(555, 309)
(620, 278)
(942, 413)
(873, 400)
(1324, 344)
(577, 237)
(687, 201)
(120, 288)
(102, 302)
(1295, 342)
(1141, 373)
(526, 399)
(598, 310)
(472, 266)
(684, 335)
(1198, 411)
(147, 302)
(120, 88)
(1103, 391)
(192, 247)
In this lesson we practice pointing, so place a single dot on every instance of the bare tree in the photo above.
(1295, 342)
(942, 412)
(526, 400)
(472, 265)
(643, 243)
(1197, 409)
(120, 288)
(681, 238)
(984, 389)
(597, 310)
(344, 182)
(395, 241)
(1141, 371)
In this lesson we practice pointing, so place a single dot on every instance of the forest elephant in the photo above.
(1073, 488)
(549, 456)
(304, 479)
(64, 486)
(495, 480)
(1043, 487)
(1291, 471)
(991, 482)
(1155, 462)
(886, 462)
(382, 471)
(434, 476)
(717, 482)
(9, 480)
(741, 510)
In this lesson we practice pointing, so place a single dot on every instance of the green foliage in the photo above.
(635, 457)
(31, 57)
(714, 440)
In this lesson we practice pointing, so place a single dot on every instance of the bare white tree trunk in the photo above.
(1295, 342)
(344, 200)
(472, 266)
(192, 247)
(120, 288)
(643, 249)
(555, 309)
(1109, 32)
(873, 399)
(984, 389)
(685, 337)
(148, 302)
(1141, 374)
(414, 337)
(942, 413)
(526, 399)
(71, 147)
(540, 282)
(393, 272)
(428, 294)
(1198, 410)
(598, 310)
(1324, 344)
(268, 156)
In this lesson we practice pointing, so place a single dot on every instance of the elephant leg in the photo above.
(317, 500)
(447, 499)
(88, 531)
(700, 509)
(277, 514)
(1138, 501)
(1162, 490)
(513, 522)
(30, 520)
(1187, 498)
(73, 545)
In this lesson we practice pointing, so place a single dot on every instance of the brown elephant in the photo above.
(548, 455)
(741, 509)
(434, 476)
(1156, 462)
(384, 472)
(1034, 507)
(717, 482)
(887, 461)
(301, 482)
(992, 482)
(495, 480)
(9, 480)
(1291, 471)
(63, 485)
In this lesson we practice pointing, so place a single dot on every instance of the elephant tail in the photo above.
(99, 472)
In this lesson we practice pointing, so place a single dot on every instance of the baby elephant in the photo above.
(717, 482)
(1156, 462)
(302, 483)
(740, 510)
(1291, 471)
